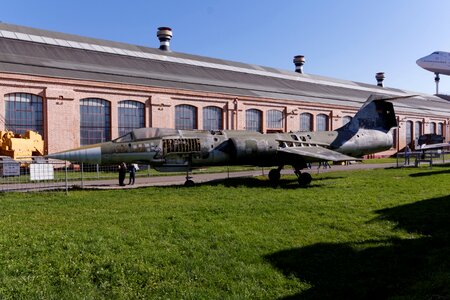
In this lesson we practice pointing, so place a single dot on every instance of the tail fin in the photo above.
(376, 113)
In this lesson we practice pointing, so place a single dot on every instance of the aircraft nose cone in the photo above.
(420, 62)
(91, 155)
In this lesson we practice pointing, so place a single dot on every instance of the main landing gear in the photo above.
(303, 179)
(189, 182)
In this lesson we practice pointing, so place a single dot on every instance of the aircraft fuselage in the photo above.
(436, 62)
(196, 148)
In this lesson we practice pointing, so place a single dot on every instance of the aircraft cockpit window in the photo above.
(437, 52)
(124, 138)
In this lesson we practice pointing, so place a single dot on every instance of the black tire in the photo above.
(304, 179)
(189, 183)
(274, 175)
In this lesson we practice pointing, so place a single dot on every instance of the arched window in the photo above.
(409, 132)
(306, 122)
(322, 122)
(345, 120)
(131, 116)
(440, 128)
(24, 112)
(95, 121)
(417, 130)
(433, 128)
(212, 118)
(253, 120)
(274, 119)
(185, 117)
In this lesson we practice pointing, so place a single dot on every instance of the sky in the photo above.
(345, 39)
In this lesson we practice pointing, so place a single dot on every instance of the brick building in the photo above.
(76, 91)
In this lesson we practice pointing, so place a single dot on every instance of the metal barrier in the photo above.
(415, 158)
(55, 175)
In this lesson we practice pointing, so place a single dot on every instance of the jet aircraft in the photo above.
(172, 150)
(437, 62)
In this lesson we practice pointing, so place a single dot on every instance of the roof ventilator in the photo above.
(299, 61)
(164, 35)
(379, 77)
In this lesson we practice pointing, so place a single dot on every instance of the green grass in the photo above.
(362, 234)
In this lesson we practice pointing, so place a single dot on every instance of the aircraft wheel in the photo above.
(189, 183)
(304, 179)
(274, 175)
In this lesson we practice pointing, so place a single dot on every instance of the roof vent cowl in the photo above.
(164, 35)
(380, 78)
(299, 61)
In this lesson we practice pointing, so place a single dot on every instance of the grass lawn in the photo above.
(362, 234)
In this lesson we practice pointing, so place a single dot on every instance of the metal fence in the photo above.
(56, 175)
(44, 175)
(416, 158)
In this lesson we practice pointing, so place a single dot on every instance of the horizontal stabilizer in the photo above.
(315, 153)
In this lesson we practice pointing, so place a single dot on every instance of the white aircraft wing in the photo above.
(315, 153)
(434, 146)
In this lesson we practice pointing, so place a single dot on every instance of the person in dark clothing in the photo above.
(122, 173)
(132, 171)
(407, 155)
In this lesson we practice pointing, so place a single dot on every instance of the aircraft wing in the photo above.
(317, 153)
(434, 146)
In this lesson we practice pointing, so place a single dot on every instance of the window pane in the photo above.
(274, 119)
(95, 121)
(23, 112)
(440, 128)
(212, 118)
(417, 130)
(305, 122)
(131, 116)
(433, 127)
(253, 120)
(322, 122)
(185, 117)
(408, 133)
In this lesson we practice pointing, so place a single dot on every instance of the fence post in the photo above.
(82, 176)
(67, 182)
(397, 159)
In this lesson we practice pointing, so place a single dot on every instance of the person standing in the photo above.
(132, 171)
(407, 155)
(122, 173)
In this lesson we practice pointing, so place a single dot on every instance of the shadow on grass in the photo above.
(437, 169)
(255, 182)
(328, 178)
(407, 268)
(421, 174)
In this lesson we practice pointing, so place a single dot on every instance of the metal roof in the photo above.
(32, 51)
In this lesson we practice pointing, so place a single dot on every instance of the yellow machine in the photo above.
(16, 146)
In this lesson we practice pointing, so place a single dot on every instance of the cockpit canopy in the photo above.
(145, 133)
